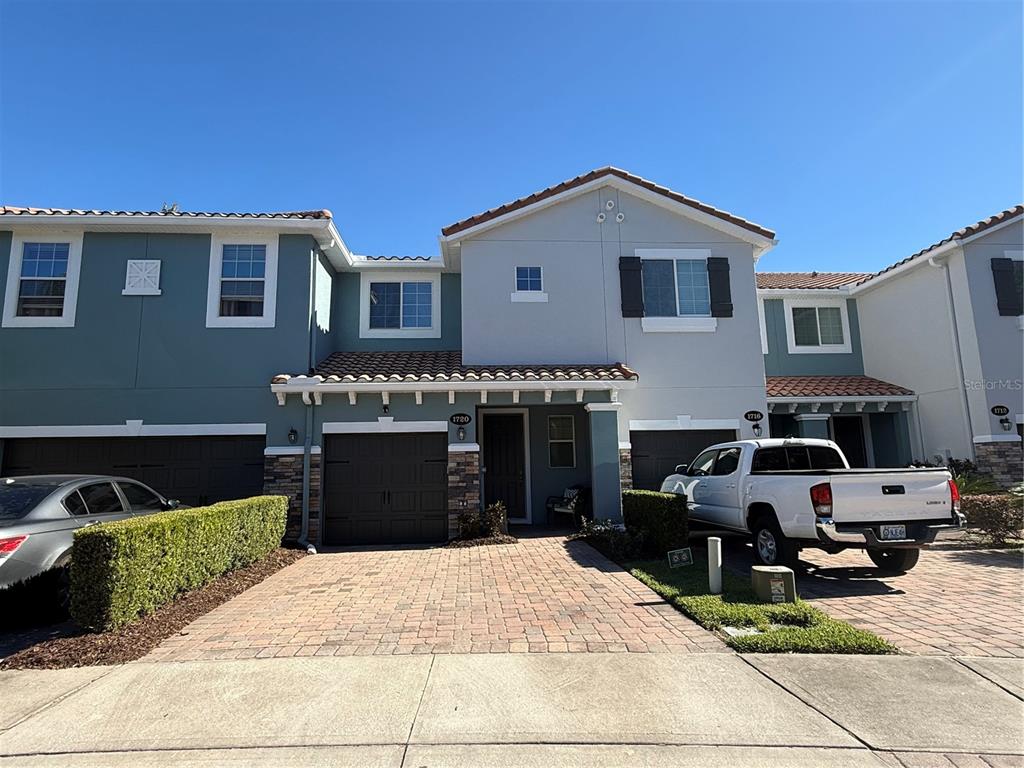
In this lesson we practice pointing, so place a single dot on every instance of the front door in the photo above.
(504, 462)
(848, 434)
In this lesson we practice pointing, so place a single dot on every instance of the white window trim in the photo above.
(398, 276)
(679, 323)
(528, 297)
(268, 318)
(562, 440)
(67, 318)
(761, 322)
(845, 348)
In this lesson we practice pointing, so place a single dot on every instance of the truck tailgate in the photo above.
(897, 496)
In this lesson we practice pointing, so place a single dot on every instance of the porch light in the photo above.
(461, 433)
(1006, 424)
(757, 429)
(293, 436)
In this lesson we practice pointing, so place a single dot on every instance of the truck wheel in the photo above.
(894, 560)
(771, 547)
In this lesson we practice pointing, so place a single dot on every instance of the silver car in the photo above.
(39, 515)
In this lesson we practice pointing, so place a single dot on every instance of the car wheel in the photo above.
(771, 547)
(894, 560)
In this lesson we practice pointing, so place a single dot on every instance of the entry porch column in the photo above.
(606, 489)
(812, 425)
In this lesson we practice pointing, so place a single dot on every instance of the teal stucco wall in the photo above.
(778, 361)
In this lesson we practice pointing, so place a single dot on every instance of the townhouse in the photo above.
(592, 334)
(920, 361)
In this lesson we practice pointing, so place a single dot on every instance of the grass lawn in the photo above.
(785, 627)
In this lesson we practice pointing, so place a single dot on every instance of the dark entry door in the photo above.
(385, 489)
(504, 462)
(656, 453)
(848, 433)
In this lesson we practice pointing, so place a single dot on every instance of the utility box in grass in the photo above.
(773, 583)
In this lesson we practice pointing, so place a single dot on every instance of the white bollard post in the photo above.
(715, 565)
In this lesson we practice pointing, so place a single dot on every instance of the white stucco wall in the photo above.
(716, 376)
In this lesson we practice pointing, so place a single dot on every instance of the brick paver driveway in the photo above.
(540, 595)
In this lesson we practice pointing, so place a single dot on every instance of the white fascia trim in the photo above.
(372, 265)
(463, 447)
(382, 424)
(217, 243)
(400, 276)
(845, 348)
(529, 297)
(812, 417)
(802, 293)
(1003, 438)
(316, 384)
(290, 450)
(844, 399)
(67, 318)
(683, 422)
(133, 428)
(681, 324)
(602, 407)
(943, 251)
(760, 243)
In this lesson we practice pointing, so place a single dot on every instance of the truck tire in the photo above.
(894, 560)
(771, 547)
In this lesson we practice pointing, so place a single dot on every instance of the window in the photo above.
(817, 326)
(242, 280)
(676, 288)
(796, 457)
(401, 305)
(702, 464)
(561, 442)
(75, 505)
(728, 461)
(42, 282)
(398, 304)
(243, 283)
(528, 279)
(102, 499)
(141, 499)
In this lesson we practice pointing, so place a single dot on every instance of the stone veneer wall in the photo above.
(282, 475)
(625, 468)
(463, 486)
(1003, 461)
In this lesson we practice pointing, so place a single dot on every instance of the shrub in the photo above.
(124, 569)
(611, 539)
(477, 524)
(999, 516)
(660, 518)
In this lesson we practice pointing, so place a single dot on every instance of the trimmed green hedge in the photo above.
(124, 569)
(659, 517)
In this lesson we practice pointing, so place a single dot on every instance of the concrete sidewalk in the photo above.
(521, 710)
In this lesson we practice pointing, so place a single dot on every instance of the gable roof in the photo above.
(803, 280)
(13, 210)
(586, 178)
(969, 231)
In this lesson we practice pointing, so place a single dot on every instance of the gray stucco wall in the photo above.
(152, 357)
(779, 362)
(703, 375)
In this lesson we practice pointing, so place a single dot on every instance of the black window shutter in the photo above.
(718, 280)
(632, 287)
(1008, 295)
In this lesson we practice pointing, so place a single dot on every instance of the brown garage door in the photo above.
(385, 489)
(656, 453)
(196, 470)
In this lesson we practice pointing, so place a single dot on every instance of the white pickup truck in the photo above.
(794, 493)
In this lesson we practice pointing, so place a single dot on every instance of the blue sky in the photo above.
(860, 132)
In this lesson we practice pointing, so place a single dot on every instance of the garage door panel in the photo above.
(656, 453)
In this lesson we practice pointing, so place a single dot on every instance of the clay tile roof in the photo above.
(385, 367)
(971, 229)
(832, 386)
(10, 210)
(536, 197)
(798, 280)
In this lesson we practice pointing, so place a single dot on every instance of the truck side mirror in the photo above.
(681, 469)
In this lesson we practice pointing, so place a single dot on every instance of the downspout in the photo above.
(958, 355)
(310, 403)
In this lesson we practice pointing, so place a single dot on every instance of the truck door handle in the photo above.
(893, 490)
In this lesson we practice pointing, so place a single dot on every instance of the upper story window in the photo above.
(529, 285)
(1008, 274)
(817, 326)
(42, 282)
(400, 304)
(243, 282)
(676, 288)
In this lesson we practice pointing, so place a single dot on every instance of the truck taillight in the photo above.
(821, 498)
(954, 495)
(10, 545)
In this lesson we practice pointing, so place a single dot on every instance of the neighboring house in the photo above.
(944, 326)
(595, 333)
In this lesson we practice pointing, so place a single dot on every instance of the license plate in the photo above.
(894, 532)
